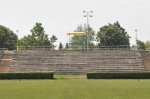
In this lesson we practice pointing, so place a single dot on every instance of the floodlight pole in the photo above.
(87, 15)
(136, 38)
(17, 38)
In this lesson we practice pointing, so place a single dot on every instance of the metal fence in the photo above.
(3, 49)
(34, 48)
(116, 47)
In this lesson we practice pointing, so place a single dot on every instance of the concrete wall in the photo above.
(6, 60)
(146, 60)
(76, 62)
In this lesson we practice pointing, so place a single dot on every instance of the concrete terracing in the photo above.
(6, 60)
(1, 54)
(78, 62)
(146, 59)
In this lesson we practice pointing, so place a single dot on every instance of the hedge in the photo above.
(27, 75)
(119, 75)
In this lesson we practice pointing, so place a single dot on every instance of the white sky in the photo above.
(61, 16)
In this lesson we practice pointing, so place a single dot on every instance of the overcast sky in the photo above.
(61, 16)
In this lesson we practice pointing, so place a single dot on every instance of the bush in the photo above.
(27, 75)
(119, 75)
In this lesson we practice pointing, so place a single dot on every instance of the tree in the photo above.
(7, 38)
(38, 38)
(140, 45)
(112, 34)
(28, 40)
(79, 40)
(38, 30)
(87, 29)
(53, 39)
(66, 46)
(147, 44)
(60, 46)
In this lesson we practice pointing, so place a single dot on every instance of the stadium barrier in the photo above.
(2, 49)
(34, 48)
(77, 62)
(1, 54)
(113, 47)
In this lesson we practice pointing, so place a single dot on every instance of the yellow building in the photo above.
(76, 34)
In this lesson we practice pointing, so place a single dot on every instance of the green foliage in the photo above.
(53, 39)
(27, 75)
(80, 41)
(112, 34)
(77, 42)
(141, 45)
(87, 29)
(38, 30)
(66, 46)
(38, 38)
(119, 75)
(147, 44)
(7, 38)
(60, 46)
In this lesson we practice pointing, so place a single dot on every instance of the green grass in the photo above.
(74, 87)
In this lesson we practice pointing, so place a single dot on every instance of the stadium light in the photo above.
(87, 14)
(17, 38)
(136, 38)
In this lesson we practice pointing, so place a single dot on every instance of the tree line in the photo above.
(38, 37)
(112, 34)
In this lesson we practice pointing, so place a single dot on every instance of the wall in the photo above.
(146, 60)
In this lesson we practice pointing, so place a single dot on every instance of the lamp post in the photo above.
(136, 38)
(17, 38)
(87, 14)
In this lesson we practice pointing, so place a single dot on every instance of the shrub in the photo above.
(119, 75)
(27, 75)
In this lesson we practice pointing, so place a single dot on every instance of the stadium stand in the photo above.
(1, 54)
(78, 62)
(6, 60)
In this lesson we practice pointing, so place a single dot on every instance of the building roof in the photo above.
(76, 33)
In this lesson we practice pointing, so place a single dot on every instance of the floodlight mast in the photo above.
(136, 38)
(87, 14)
(17, 38)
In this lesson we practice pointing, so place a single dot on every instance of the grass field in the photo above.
(74, 87)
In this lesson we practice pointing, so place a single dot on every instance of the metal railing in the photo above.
(34, 48)
(118, 47)
(3, 49)
(1, 53)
